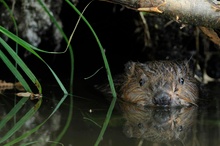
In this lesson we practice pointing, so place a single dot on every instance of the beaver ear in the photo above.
(189, 65)
(129, 67)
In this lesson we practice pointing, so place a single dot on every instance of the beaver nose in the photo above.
(162, 99)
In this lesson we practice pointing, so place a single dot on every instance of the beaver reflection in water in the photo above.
(162, 83)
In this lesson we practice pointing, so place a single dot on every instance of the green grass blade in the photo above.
(13, 19)
(108, 116)
(57, 79)
(65, 38)
(100, 46)
(23, 43)
(68, 121)
(22, 65)
(14, 70)
(29, 48)
(26, 45)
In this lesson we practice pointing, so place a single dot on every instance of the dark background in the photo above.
(117, 28)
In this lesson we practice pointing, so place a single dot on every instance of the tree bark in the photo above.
(196, 12)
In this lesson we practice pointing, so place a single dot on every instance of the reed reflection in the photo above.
(29, 124)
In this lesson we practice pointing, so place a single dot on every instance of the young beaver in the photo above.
(162, 83)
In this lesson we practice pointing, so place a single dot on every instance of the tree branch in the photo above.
(196, 12)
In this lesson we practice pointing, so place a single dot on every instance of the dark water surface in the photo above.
(80, 117)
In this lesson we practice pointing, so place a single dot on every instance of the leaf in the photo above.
(32, 96)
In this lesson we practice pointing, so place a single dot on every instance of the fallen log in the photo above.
(196, 12)
(202, 13)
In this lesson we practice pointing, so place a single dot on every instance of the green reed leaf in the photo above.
(14, 70)
(29, 47)
(65, 38)
(108, 116)
(21, 64)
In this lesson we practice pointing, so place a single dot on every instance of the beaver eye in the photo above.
(141, 82)
(180, 128)
(181, 80)
(128, 66)
(140, 125)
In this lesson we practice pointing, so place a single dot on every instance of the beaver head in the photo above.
(162, 83)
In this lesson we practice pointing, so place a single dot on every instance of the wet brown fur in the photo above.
(143, 81)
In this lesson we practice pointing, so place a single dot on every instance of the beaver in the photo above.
(164, 83)
(157, 83)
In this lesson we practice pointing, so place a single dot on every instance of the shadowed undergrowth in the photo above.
(12, 60)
